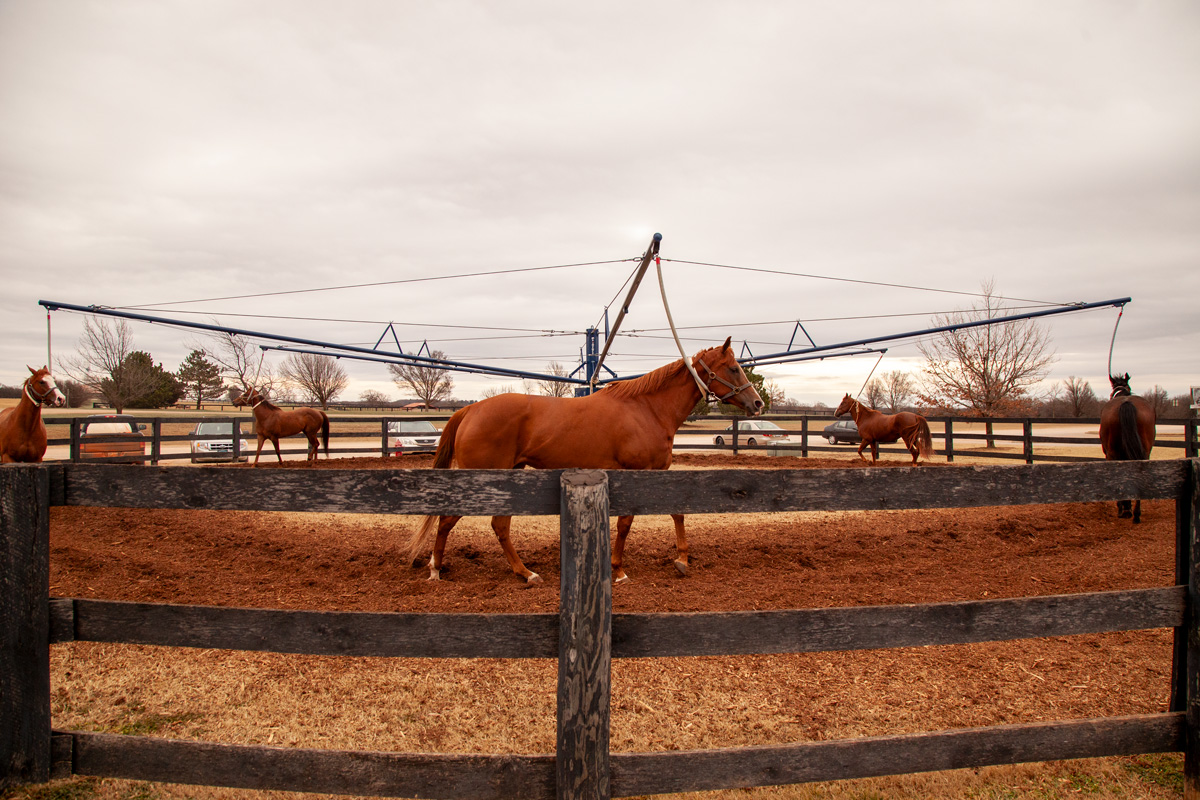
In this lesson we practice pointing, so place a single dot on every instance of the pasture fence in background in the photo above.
(803, 427)
(585, 635)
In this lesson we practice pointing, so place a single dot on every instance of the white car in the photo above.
(413, 436)
(220, 446)
(752, 433)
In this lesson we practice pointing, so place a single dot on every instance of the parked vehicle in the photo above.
(754, 432)
(413, 436)
(216, 449)
(844, 430)
(112, 436)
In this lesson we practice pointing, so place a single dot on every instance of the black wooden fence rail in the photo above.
(801, 427)
(585, 635)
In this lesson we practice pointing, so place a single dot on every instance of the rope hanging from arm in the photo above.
(1113, 342)
(667, 308)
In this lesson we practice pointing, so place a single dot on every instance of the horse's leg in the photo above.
(1137, 510)
(861, 445)
(501, 526)
(275, 441)
(618, 550)
(681, 548)
(312, 446)
(874, 451)
(261, 440)
(445, 525)
(1123, 509)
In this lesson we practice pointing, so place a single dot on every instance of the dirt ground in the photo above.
(739, 562)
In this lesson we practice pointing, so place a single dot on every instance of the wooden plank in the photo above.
(333, 633)
(722, 491)
(400, 491)
(24, 625)
(1190, 534)
(371, 774)
(704, 770)
(872, 627)
(584, 638)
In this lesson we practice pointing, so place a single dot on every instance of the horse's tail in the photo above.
(325, 432)
(924, 438)
(421, 539)
(1129, 442)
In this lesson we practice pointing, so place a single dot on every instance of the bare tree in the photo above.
(898, 389)
(102, 363)
(555, 388)
(374, 398)
(876, 393)
(492, 391)
(1078, 396)
(775, 396)
(320, 377)
(987, 370)
(240, 361)
(425, 381)
(1159, 399)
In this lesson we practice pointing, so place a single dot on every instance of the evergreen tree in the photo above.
(201, 378)
(165, 390)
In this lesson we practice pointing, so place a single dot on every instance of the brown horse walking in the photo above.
(22, 432)
(271, 422)
(1126, 433)
(876, 427)
(627, 425)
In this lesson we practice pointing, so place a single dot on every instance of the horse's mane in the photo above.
(648, 383)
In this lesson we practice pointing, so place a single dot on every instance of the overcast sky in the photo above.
(158, 152)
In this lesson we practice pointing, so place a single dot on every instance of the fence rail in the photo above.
(585, 635)
(804, 427)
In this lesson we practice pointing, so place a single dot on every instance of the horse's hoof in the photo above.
(435, 574)
(622, 578)
(681, 567)
(1124, 515)
(533, 580)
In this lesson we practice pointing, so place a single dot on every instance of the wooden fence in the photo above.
(800, 427)
(585, 635)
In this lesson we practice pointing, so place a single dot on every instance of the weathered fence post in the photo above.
(155, 441)
(76, 424)
(1188, 521)
(584, 638)
(949, 439)
(24, 625)
(1027, 433)
(236, 429)
(383, 446)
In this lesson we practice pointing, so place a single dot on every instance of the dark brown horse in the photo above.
(627, 425)
(271, 422)
(1126, 433)
(876, 427)
(22, 432)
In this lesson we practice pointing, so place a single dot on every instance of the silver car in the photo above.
(753, 433)
(412, 436)
(220, 446)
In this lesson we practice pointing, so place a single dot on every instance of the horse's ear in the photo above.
(728, 339)
(31, 369)
(1127, 377)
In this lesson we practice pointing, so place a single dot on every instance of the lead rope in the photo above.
(869, 374)
(1113, 343)
(667, 308)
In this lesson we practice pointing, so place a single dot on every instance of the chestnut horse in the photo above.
(628, 424)
(22, 432)
(1126, 433)
(271, 422)
(875, 427)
